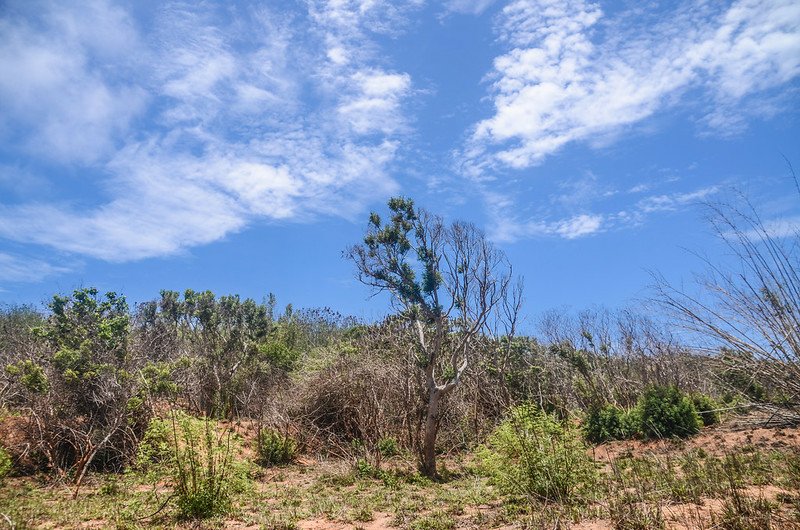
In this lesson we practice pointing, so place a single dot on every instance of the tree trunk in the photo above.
(431, 430)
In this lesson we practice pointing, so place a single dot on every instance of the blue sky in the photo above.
(239, 146)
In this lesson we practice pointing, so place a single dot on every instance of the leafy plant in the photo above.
(274, 448)
(83, 387)
(388, 447)
(30, 375)
(609, 422)
(533, 454)
(204, 472)
(5, 464)
(706, 407)
(156, 446)
(664, 411)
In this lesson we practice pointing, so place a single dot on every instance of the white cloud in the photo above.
(223, 120)
(671, 202)
(581, 191)
(375, 105)
(505, 229)
(20, 269)
(60, 100)
(561, 83)
(578, 226)
(470, 7)
(505, 226)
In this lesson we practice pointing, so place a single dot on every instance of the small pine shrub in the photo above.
(274, 449)
(706, 407)
(365, 469)
(533, 454)
(664, 411)
(388, 447)
(609, 422)
(5, 464)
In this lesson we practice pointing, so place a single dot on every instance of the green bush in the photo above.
(533, 454)
(609, 422)
(706, 407)
(274, 448)
(664, 411)
(5, 464)
(388, 447)
(30, 375)
(157, 445)
(202, 459)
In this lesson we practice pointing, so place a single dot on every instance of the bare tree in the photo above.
(752, 309)
(450, 283)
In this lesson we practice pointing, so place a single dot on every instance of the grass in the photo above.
(634, 492)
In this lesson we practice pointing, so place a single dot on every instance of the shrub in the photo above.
(533, 454)
(665, 411)
(274, 448)
(204, 470)
(5, 464)
(388, 447)
(30, 375)
(609, 422)
(82, 387)
(157, 445)
(199, 458)
(706, 407)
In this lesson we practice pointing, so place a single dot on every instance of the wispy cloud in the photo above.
(572, 76)
(554, 222)
(58, 99)
(470, 7)
(672, 202)
(776, 228)
(22, 269)
(201, 125)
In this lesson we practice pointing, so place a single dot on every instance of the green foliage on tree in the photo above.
(448, 282)
(30, 375)
(225, 348)
(89, 336)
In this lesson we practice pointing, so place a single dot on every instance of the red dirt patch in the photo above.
(718, 440)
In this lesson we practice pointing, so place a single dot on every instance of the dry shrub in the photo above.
(366, 394)
(80, 397)
(372, 391)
